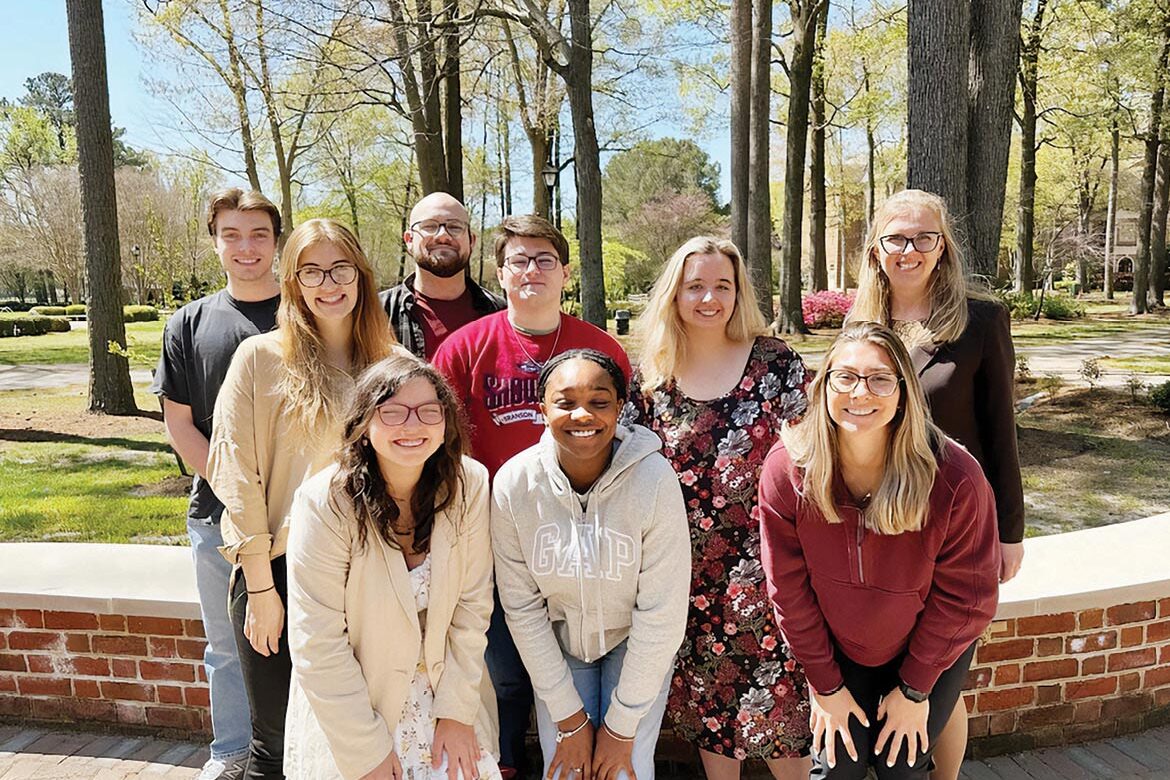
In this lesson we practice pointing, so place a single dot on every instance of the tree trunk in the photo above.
(539, 140)
(110, 391)
(741, 102)
(817, 205)
(453, 103)
(759, 214)
(422, 97)
(995, 40)
(937, 67)
(1141, 263)
(1158, 229)
(1111, 214)
(1026, 210)
(870, 156)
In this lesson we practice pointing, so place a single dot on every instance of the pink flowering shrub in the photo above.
(826, 309)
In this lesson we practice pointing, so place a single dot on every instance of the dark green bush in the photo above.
(1022, 305)
(15, 305)
(75, 309)
(48, 311)
(24, 324)
(1062, 307)
(139, 313)
(1160, 397)
(59, 325)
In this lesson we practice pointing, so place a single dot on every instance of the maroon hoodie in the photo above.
(924, 596)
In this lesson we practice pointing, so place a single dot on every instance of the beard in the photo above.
(443, 261)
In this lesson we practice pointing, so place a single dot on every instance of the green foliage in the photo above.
(1134, 384)
(139, 313)
(59, 325)
(1061, 307)
(48, 311)
(1090, 371)
(1022, 305)
(1160, 397)
(651, 169)
(24, 324)
(75, 309)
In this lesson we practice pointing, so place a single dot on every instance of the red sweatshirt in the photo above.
(924, 596)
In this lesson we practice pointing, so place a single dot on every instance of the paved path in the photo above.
(27, 753)
(1065, 359)
(32, 377)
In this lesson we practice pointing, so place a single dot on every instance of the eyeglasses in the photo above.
(842, 380)
(518, 264)
(341, 274)
(430, 228)
(896, 244)
(430, 413)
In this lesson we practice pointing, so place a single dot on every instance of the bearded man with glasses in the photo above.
(439, 297)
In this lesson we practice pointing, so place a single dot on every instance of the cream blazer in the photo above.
(355, 638)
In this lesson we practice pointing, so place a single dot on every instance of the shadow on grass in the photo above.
(16, 434)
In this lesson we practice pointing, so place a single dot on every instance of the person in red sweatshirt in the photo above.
(877, 540)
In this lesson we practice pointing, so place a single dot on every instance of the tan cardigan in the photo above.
(354, 634)
(259, 455)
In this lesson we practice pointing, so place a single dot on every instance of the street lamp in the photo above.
(550, 174)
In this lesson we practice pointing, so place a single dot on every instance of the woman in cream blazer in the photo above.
(390, 594)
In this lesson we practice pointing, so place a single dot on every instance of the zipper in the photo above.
(860, 539)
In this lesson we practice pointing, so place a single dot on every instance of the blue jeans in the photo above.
(595, 682)
(231, 721)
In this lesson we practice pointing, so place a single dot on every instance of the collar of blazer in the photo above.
(923, 356)
(442, 537)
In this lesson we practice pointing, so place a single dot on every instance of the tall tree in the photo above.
(52, 95)
(1026, 218)
(539, 97)
(1111, 208)
(110, 391)
(1141, 264)
(1158, 219)
(741, 108)
(759, 213)
(818, 205)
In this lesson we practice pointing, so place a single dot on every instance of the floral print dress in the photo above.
(736, 691)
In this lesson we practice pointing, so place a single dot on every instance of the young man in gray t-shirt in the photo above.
(198, 344)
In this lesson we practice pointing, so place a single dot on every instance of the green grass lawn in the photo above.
(145, 342)
(1153, 364)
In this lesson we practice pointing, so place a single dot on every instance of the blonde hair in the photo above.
(914, 447)
(308, 383)
(949, 286)
(665, 344)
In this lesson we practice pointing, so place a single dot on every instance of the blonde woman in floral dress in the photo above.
(717, 390)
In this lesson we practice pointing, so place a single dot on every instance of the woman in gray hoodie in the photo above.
(592, 554)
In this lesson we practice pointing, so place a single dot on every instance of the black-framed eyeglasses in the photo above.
(430, 413)
(519, 263)
(431, 228)
(341, 274)
(883, 385)
(896, 243)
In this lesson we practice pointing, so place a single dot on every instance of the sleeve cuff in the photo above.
(256, 544)
(825, 677)
(564, 704)
(621, 719)
(919, 676)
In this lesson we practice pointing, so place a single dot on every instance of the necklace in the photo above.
(532, 365)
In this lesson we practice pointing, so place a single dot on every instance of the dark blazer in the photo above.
(969, 385)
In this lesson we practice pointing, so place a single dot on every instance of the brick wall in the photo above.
(1072, 676)
(129, 670)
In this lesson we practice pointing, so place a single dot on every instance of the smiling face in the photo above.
(330, 300)
(909, 272)
(532, 288)
(581, 407)
(245, 243)
(409, 443)
(706, 293)
(440, 254)
(860, 411)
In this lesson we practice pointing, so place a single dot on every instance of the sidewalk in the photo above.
(34, 377)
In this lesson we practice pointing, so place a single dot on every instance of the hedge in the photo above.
(139, 313)
(74, 309)
(15, 305)
(25, 324)
(48, 311)
(129, 313)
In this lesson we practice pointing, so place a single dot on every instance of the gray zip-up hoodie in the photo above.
(580, 581)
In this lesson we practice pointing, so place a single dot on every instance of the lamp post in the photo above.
(550, 174)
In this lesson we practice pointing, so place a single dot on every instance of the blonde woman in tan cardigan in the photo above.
(390, 594)
(276, 423)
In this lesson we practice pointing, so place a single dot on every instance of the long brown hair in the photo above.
(359, 481)
(308, 384)
(914, 447)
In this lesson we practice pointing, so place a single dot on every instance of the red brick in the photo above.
(36, 640)
(1164, 655)
(1129, 682)
(116, 644)
(127, 691)
(7, 683)
(190, 648)
(161, 670)
(1158, 632)
(202, 673)
(1131, 613)
(1164, 608)
(1056, 715)
(40, 664)
(161, 647)
(1047, 694)
(90, 667)
(1087, 711)
(1162, 697)
(194, 628)
(1131, 636)
(1002, 722)
(1093, 665)
(1050, 670)
(79, 620)
(49, 709)
(139, 624)
(132, 714)
(90, 709)
(124, 667)
(1005, 651)
(1046, 624)
(3, 641)
(978, 678)
(1006, 699)
(977, 726)
(170, 694)
(1090, 618)
(112, 622)
(1007, 674)
(197, 697)
(7, 618)
(173, 718)
(1091, 643)
(44, 686)
(1049, 645)
(1133, 704)
(1087, 689)
(1132, 659)
(77, 643)
(1156, 678)
(12, 662)
(15, 706)
(969, 702)
(86, 689)
(30, 618)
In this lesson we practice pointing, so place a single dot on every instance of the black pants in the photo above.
(868, 684)
(266, 679)
(513, 691)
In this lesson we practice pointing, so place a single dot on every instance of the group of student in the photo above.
(421, 515)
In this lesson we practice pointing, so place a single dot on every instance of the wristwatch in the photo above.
(913, 695)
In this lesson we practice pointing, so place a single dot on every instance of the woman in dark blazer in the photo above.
(913, 278)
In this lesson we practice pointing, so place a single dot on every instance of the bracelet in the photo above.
(830, 693)
(615, 735)
(563, 735)
(262, 590)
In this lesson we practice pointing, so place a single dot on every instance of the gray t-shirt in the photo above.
(198, 345)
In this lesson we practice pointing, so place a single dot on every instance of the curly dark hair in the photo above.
(359, 480)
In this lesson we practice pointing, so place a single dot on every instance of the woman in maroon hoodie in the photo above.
(878, 544)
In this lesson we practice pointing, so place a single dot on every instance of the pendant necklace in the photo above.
(532, 365)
